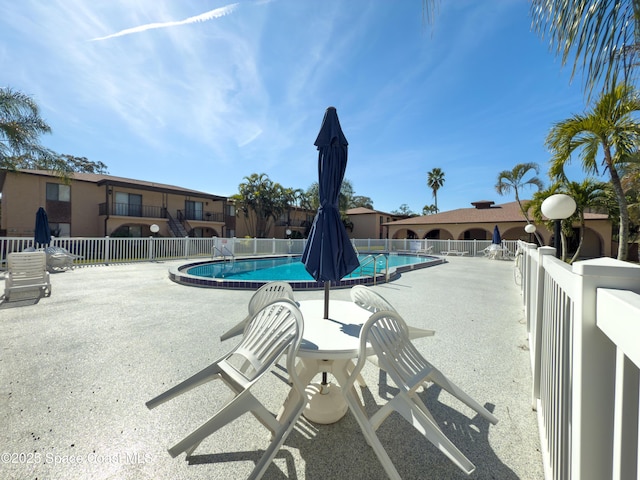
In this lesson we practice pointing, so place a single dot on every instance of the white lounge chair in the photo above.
(263, 296)
(459, 253)
(275, 330)
(388, 335)
(27, 271)
(59, 259)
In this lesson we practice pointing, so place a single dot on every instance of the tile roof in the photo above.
(506, 212)
(101, 179)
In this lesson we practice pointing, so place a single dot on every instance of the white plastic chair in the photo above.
(273, 331)
(388, 336)
(374, 302)
(27, 271)
(263, 296)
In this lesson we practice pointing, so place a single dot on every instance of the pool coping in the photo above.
(178, 275)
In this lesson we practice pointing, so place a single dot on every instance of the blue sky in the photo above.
(202, 93)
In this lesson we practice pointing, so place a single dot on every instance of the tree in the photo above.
(630, 179)
(404, 209)
(587, 194)
(429, 210)
(608, 127)
(603, 35)
(435, 180)
(20, 129)
(266, 199)
(361, 201)
(345, 200)
(82, 164)
(535, 206)
(513, 179)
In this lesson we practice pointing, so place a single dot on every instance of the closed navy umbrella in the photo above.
(496, 236)
(328, 254)
(42, 232)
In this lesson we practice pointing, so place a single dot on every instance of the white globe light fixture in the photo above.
(529, 228)
(558, 207)
(154, 228)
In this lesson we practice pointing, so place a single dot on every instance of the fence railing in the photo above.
(583, 322)
(106, 250)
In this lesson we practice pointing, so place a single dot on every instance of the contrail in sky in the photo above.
(203, 17)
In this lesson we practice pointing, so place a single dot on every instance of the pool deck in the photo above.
(76, 369)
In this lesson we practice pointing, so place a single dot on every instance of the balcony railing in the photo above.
(153, 211)
(128, 210)
(201, 216)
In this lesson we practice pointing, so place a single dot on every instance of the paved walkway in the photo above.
(76, 369)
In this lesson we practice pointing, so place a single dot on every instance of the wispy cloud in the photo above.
(203, 17)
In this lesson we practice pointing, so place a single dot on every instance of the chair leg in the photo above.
(203, 376)
(236, 330)
(437, 377)
(431, 431)
(357, 409)
(279, 437)
(234, 409)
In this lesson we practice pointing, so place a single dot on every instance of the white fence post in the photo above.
(107, 243)
(618, 317)
(536, 326)
(594, 358)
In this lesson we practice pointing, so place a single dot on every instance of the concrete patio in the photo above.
(76, 369)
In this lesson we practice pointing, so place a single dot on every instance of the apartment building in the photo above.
(94, 205)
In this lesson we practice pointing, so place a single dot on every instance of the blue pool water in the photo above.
(290, 268)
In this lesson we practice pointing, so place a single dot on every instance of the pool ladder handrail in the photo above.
(370, 258)
(223, 254)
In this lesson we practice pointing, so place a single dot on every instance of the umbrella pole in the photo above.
(327, 285)
(326, 299)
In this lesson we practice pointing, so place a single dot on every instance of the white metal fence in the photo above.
(584, 333)
(107, 250)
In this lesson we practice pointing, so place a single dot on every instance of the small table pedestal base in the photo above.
(326, 403)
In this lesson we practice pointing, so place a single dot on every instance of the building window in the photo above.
(60, 229)
(193, 210)
(134, 231)
(231, 210)
(58, 192)
(128, 204)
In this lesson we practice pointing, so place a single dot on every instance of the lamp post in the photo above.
(529, 228)
(558, 207)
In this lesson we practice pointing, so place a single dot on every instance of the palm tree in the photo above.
(588, 194)
(435, 180)
(602, 34)
(535, 206)
(609, 127)
(267, 199)
(513, 179)
(20, 127)
(429, 210)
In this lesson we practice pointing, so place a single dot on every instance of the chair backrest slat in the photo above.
(369, 300)
(269, 334)
(268, 293)
(388, 335)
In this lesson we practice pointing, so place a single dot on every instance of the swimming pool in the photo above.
(251, 273)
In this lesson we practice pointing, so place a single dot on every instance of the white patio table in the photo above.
(328, 345)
